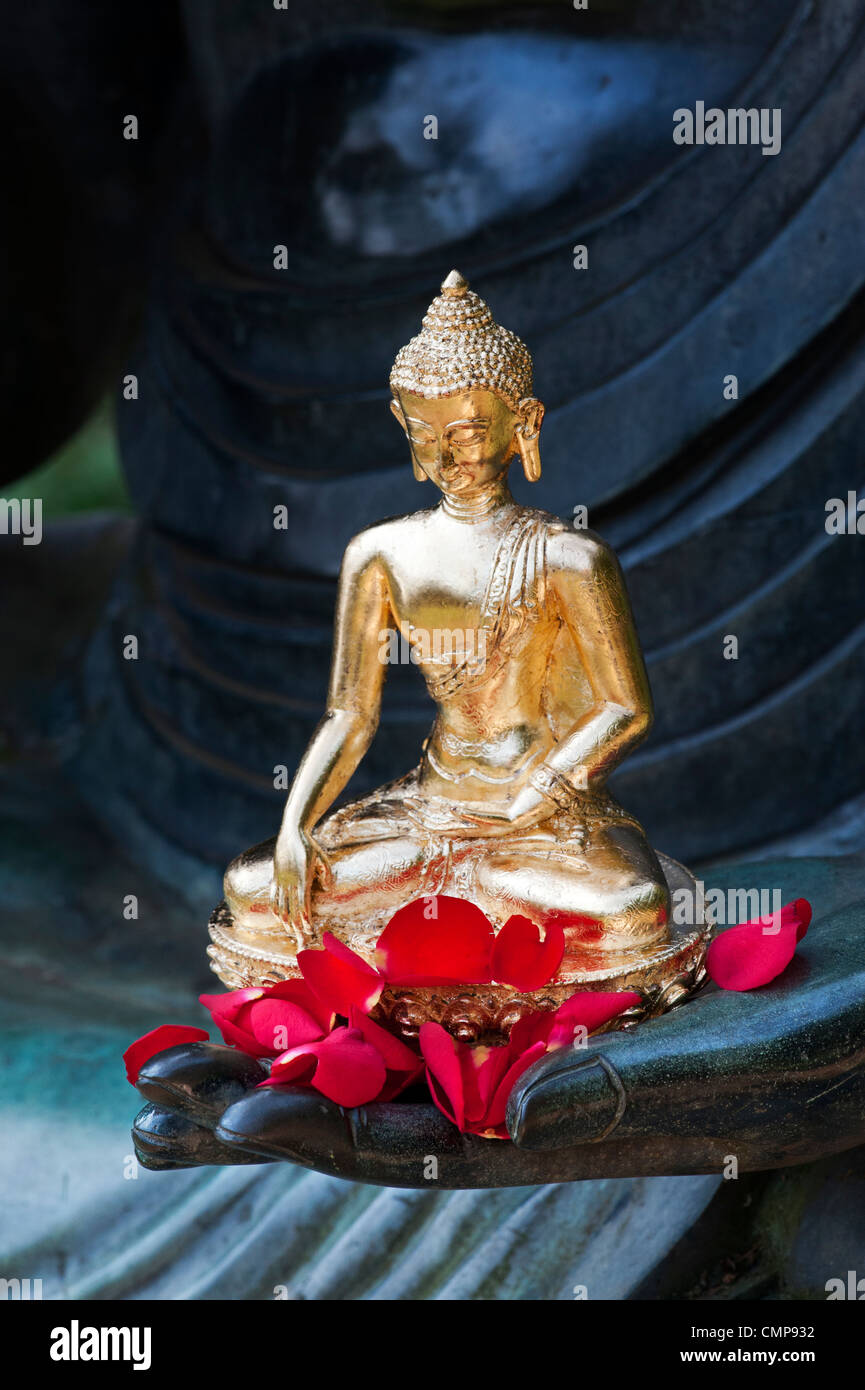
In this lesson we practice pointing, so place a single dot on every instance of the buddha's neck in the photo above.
(474, 506)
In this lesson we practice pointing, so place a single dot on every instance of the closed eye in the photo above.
(468, 437)
(420, 430)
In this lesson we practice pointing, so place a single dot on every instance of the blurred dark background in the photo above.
(257, 386)
(260, 128)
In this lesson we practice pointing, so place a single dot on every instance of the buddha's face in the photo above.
(464, 443)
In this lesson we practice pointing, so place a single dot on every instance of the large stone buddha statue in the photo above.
(523, 631)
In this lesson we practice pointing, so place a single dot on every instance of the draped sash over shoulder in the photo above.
(515, 591)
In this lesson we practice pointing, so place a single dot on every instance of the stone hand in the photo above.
(726, 1082)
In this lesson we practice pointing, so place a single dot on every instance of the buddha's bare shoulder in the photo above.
(573, 552)
(383, 540)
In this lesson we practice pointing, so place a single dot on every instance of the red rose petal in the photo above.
(403, 1065)
(278, 1025)
(349, 1071)
(471, 1084)
(340, 978)
(453, 947)
(531, 1028)
(754, 953)
(157, 1040)
(495, 1116)
(299, 992)
(799, 910)
(395, 1054)
(522, 959)
(229, 1004)
(241, 1038)
(397, 1081)
(482, 1070)
(590, 1009)
(297, 1067)
(444, 1073)
(247, 1018)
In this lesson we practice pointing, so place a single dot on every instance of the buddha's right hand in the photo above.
(297, 859)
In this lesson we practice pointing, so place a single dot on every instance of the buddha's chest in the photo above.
(488, 581)
(443, 584)
(464, 626)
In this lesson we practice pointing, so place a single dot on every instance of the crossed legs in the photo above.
(614, 890)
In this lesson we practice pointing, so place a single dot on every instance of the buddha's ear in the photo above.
(397, 412)
(531, 417)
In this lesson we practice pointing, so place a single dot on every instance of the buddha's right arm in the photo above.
(363, 614)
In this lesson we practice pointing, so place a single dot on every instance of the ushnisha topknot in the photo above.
(460, 346)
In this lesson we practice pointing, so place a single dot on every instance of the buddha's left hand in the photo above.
(528, 808)
(766, 1078)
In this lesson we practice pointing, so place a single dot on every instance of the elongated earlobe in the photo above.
(530, 457)
(527, 436)
(397, 412)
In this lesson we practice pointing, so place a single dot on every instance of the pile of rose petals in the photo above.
(317, 1031)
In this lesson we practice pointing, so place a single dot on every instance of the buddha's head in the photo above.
(462, 391)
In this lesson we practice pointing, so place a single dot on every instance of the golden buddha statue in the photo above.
(522, 628)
